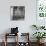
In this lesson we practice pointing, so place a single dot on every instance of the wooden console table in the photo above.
(7, 35)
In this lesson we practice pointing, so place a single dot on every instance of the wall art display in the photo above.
(41, 8)
(17, 12)
(41, 12)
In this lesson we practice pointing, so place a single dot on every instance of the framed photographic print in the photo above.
(41, 8)
(41, 12)
(17, 12)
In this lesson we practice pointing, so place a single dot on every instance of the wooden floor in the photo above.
(13, 44)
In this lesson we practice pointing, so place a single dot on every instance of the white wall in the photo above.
(24, 25)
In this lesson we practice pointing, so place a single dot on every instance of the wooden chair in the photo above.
(25, 36)
(7, 34)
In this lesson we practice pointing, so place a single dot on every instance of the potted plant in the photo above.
(39, 35)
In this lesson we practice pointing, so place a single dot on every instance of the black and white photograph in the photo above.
(17, 12)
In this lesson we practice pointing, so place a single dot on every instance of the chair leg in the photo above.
(5, 43)
(5, 40)
(17, 41)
